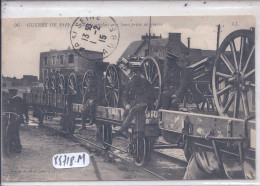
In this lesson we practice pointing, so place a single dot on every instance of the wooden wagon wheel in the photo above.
(112, 86)
(61, 84)
(151, 71)
(46, 85)
(53, 84)
(106, 136)
(86, 80)
(72, 84)
(233, 77)
(141, 150)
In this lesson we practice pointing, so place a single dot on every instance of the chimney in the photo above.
(188, 42)
(175, 37)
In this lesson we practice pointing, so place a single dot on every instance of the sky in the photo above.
(22, 42)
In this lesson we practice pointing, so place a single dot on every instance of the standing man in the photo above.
(171, 78)
(138, 95)
(20, 107)
(89, 103)
(178, 79)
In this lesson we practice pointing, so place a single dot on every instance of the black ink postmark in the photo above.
(100, 34)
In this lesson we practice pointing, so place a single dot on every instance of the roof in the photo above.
(159, 42)
(132, 48)
(68, 51)
(207, 53)
(175, 47)
(30, 78)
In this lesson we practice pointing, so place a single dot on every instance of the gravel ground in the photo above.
(34, 163)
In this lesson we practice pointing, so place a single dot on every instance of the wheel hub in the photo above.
(238, 81)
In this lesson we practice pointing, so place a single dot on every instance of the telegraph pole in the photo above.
(218, 33)
(149, 36)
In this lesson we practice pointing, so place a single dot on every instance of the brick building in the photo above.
(160, 46)
(26, 80)
(59, 60)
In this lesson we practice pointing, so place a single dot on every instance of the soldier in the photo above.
(20, 107)
(178, 78)
(89, 103)
(138, 96)
(171, 80)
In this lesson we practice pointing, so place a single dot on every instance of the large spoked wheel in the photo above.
(53, 84)
(112, 86)
(61, 84)
(151, 71)
(188, 148)
(234, 75)
(106, 136)
(86, 80)
(141, 150)
(72, 84)
(46, 85)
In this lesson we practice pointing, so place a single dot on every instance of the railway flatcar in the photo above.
(221, 87)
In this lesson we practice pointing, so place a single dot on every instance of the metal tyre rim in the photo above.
(140, 151)
(112, 86)
(151, 71)
(72, 84)
(233, 79)
(85, 80)
(61, 84)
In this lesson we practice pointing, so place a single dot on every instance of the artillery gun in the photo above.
(223, 82)
(117, 76)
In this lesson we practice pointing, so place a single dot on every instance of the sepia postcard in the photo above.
(137, 98)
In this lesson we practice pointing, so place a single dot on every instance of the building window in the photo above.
(71, 58)
(45, 60)
(45, 73)
(53, 60)
(62, 59)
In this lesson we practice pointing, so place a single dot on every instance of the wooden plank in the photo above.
(203, 124)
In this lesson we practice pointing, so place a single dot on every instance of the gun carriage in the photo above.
(222, 90)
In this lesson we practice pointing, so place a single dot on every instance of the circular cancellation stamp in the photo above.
(99, 34)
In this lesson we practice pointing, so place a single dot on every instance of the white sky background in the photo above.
(22, 45)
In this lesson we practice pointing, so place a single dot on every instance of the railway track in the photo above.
(87, 143)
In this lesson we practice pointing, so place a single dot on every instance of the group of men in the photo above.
(138, 93)
(137, 97)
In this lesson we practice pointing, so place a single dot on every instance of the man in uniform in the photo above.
(20, 107)
(171, 78)
(138, 96)
(177, 80)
